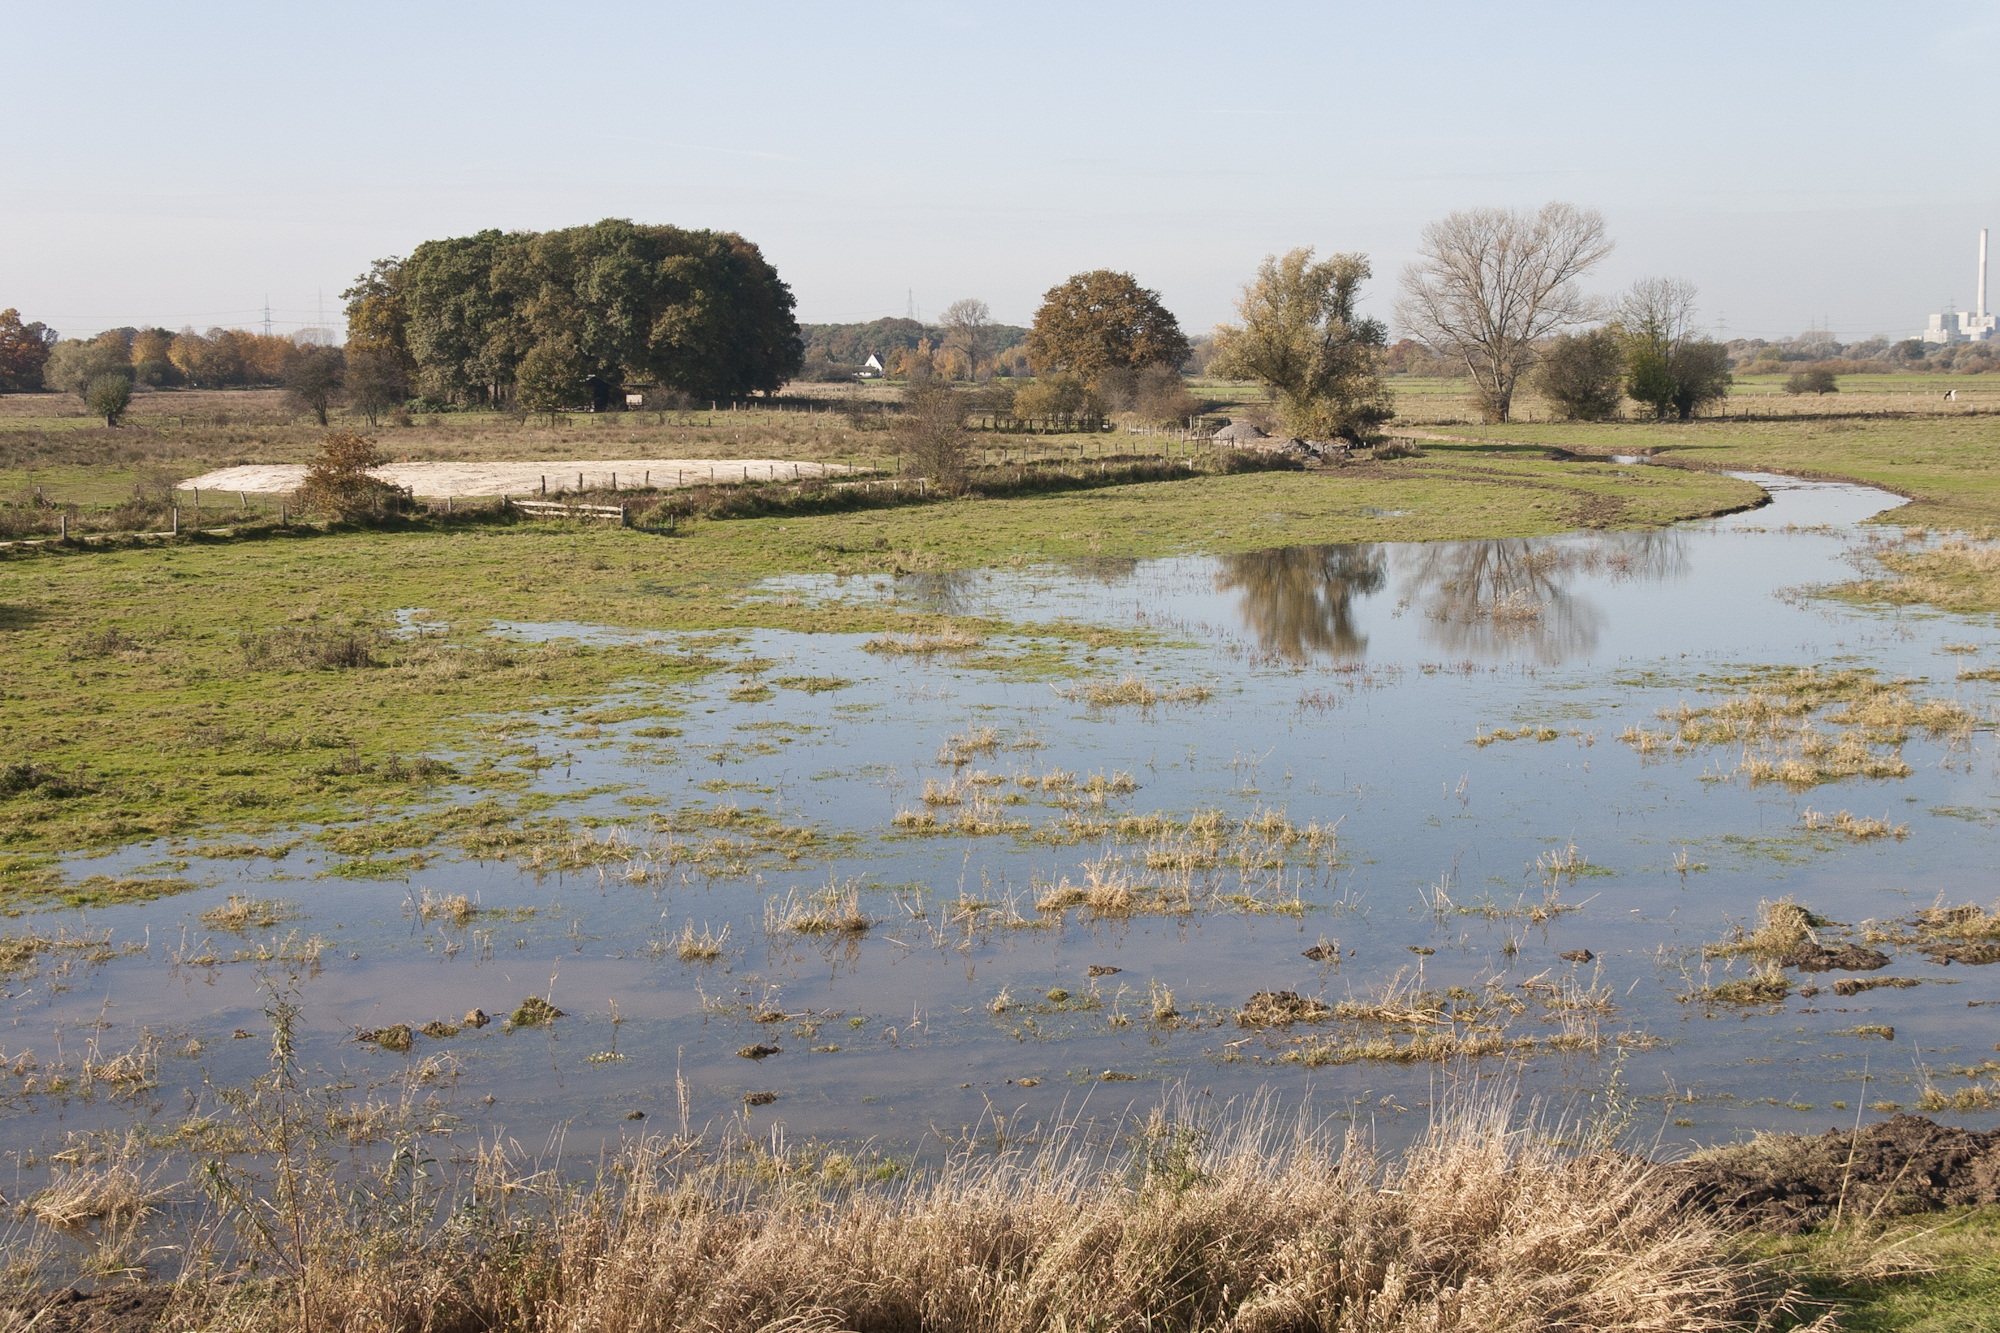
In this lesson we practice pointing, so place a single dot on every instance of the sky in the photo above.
(1818, 165)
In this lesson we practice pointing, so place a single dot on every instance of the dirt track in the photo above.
(519, 479)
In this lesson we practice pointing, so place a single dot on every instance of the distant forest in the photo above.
(852, 344)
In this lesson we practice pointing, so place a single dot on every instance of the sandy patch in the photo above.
(522, 479)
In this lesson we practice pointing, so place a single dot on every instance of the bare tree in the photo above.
(968, 326)
(1491, 282)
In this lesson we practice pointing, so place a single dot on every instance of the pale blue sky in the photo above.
(1801, 163)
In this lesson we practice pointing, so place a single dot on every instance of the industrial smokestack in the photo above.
(1982, 273)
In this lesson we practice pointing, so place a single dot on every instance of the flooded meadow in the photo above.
(1338, 822)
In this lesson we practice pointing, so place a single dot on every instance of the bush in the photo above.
(1817, 380)
(931, 433)
(337, 483)
(1582, 375)
(107, 396)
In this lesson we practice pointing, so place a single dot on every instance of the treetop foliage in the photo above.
(1099, 320)
(699, 312)
(24, 350)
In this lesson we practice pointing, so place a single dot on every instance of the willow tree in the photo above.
(1300, 336)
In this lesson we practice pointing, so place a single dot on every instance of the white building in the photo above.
(1961, 326)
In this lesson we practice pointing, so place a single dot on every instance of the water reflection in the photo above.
(1506, 597)
(1299, 600)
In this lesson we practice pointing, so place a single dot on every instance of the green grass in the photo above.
(1944, 463)
(1961, 1293)
(132, 704)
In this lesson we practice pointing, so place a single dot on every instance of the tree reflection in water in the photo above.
(1477, 598)
(1513, 595)
(1299, 600)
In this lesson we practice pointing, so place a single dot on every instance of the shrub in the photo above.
(337, 483)
(1582, 375)
(107, 396)
(932, 435)
(1817, 380)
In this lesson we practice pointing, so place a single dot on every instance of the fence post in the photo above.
(284, 519)
(545, 484)
(177, 520)
(624, 519)
(62, 527)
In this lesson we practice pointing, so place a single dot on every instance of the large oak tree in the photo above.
(1102, 320)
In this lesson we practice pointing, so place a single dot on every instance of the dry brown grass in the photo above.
(1783, 928)
(1857, 827)
(1247, 1225)
(1133, 692)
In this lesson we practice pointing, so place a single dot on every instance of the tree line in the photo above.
(556, 320)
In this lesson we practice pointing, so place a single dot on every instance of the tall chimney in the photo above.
(1982, 273)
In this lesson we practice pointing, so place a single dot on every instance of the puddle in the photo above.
(1382, 776)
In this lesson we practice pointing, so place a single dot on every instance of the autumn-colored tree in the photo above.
(1097, 320)
(24, 350)
(208, 361)
(267, 358)
(338, 483)
(1300, 335)
(377, 322)
(151, 362)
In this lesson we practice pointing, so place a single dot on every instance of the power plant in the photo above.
(1959, 326)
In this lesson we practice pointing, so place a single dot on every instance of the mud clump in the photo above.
(1276, 1008)
(1787, 1182)
(1972, 955)
(1847, 958)
(396, 1037)
(1856, 985)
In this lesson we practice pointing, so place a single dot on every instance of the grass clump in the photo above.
(1131, 691)
(923, 645)
(1855, 827)
(1769, 985)
(535, 1012)
(834, 910)
(242, 913)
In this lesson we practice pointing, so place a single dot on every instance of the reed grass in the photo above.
(1245, 1220)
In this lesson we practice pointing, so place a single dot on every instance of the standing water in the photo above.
(1313, 819)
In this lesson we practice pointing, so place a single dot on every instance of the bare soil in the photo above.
(1787, 1182)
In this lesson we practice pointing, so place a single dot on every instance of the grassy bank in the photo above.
(1943, 463)
(1187, 1220)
